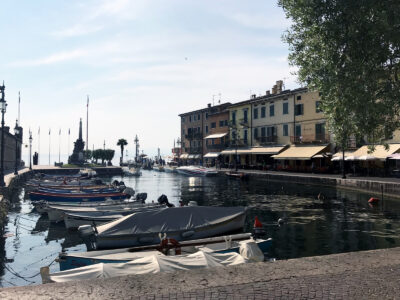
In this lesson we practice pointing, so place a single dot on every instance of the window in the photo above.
(245, 115)
(298, 97)
(226, 122)
(255, 113)
(299, 109)
(221, 123)
(198, 117)
(245, 136)
(198, 143)
(262, 131)
(234, 117)
(318, 106)
(255, 133)
(320, 131)
(206, 115)
(285, 130)
(190, 118)
(183, 131)
(271, 110)
(189, 131)
(271, 131)
(206, 128)
(298, 130)
(212, 141)
(213, 125)
(194, 117)
(262, 111)
(183, 119)
(233, 135)
(285, 108)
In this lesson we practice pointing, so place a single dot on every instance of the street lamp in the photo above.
(3, 107)
(16, 135)
(30, 150)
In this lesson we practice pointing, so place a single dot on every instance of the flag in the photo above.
(59, 133)
(69, 131)
(49, 131)
(87, 105)
(38, 132)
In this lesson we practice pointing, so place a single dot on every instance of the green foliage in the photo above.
(104, 155)
(87, 154)
(122, 143)
(350, 52)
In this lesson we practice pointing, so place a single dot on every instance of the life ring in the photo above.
(168, 243)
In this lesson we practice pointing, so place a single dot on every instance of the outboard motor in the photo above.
(141, 197)
(88, 235)
(164, 200)
(129, 191)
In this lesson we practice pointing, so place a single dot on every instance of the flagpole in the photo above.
(19, 104)
(49, 145)
(87, 125)
(59, 146)
(68, 143)
(39, 146)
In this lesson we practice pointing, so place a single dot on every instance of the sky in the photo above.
(141, 63)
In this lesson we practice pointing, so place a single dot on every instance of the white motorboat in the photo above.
(196, 171)
(56, 212)
(132, 171)
(179, 223)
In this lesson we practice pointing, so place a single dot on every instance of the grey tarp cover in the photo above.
(170, 219)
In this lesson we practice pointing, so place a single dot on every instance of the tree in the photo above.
(109, 155)
(350, 52)
(96, 155)
(88, 154)
(122, 143)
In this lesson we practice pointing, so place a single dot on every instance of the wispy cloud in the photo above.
(51, 59)
(78, 30)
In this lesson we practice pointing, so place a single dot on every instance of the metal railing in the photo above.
(267, 139)
(312, 138)
(194, 135)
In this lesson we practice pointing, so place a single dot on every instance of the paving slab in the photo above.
(355, 275)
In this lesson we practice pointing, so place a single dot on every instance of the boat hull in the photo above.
(54, 197)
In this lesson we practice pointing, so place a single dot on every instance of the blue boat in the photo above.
(77, 197)
(221, 244)
(83, 190)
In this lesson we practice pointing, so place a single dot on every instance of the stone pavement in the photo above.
(356, 275)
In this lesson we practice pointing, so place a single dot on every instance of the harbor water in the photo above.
(335, 221)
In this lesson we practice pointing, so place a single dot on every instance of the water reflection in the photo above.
(337, 221)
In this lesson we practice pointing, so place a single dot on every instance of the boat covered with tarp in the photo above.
(179, 223)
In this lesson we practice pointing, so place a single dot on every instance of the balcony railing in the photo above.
(194, 150)
(267, 139)
(238, 143)
(194, 135)
(244, 122)
(313, 139)
(218, 146)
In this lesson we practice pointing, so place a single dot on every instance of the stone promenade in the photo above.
(357, 275)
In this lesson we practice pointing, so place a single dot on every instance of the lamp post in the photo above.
(3, 107)
(30, 150)
(16, 133)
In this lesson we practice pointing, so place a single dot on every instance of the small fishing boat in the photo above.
(179, 223)
(196, 171)
(74, 219)
(77, 196)
(155, 263)
(220, 244)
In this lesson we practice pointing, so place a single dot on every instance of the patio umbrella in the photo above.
(366, 157)
(394, 156)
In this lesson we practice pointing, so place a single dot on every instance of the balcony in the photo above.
(273, 139)
(218, 147)
(310, 139)
(239, 143)
(194, 150)
(244, 122)
(194, 136)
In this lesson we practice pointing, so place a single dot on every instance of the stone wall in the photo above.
(9, 150)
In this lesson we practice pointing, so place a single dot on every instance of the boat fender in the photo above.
(187, 234)
(373, 200)
(228, 242)
(169, 244)
(251, 251)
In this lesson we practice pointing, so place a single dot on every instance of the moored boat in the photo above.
(179, 223)
(219, 244)
(77, 196)
(196, 171)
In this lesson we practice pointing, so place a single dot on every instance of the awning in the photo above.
(194, 156)
(339, 156)
(184, 156)
(216, 135)
(254, 150)
(379, 153)
(212, 155)
(300, 152)
(191, 156)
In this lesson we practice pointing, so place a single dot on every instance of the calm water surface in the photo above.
(342, 222)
